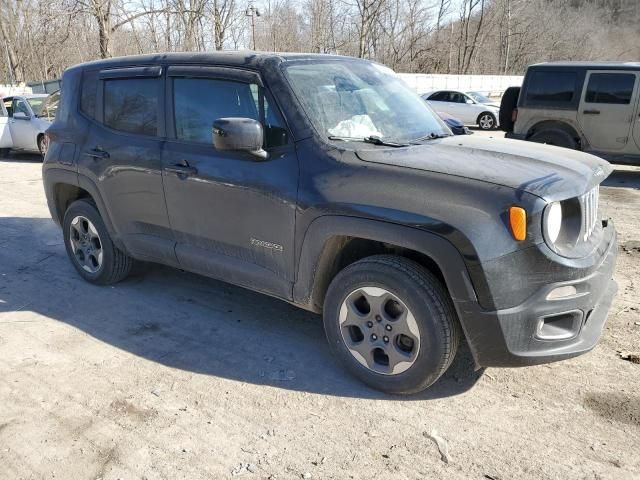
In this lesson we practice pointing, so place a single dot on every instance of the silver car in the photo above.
(463, 106)
(24, 120)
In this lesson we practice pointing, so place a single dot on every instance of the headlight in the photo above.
(553, 221)
(561, 225)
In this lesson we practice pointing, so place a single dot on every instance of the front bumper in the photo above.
(542, 330)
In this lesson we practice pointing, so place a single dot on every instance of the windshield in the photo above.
(478, 97)
(36, 104)
(361, 99)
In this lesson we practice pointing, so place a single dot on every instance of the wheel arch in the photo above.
(63, 187)
(333, 242)
(556, 125)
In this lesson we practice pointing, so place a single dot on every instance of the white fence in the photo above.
(494, 85)
(8, 90)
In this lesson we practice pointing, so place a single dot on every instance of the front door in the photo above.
(22, 131)
(607, 107)
(232, 213)
(5, 131)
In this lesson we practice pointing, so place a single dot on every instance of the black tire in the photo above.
(508, 104)
(115, 265)
(555, 136)
(427, 300)
(487, 121)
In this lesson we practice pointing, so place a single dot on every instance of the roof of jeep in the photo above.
(242, 58)
(590, 65)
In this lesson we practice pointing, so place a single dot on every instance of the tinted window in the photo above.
(546, 87)
(458, 98)
(131, 105)
(89, 93)
(440, 97)
(610, 88)
(199, 101)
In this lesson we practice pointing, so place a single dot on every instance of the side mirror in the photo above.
(239, 134)
(21, 116)
(469, 101)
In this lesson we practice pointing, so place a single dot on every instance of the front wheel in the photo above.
(392, 323)
(487, 121)
(89, 245)
(43, 144)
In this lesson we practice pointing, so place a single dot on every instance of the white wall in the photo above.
(492, 84)
(8, 90)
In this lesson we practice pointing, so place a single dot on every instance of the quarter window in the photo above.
(200, 101)
(610, 88)
(131, 105)
(551, 88)
(88, 93)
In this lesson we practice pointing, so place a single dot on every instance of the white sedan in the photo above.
(24, 120)
(463, 106)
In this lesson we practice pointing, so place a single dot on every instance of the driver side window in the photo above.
(197, 102)
(20, 105)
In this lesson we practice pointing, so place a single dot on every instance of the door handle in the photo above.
(591, 112)
(97, 153)
(182, 168)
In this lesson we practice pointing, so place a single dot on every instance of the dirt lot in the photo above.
(170, 375)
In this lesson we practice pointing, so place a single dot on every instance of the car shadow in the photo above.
(21, 157)
(185, 321)
(628, 177)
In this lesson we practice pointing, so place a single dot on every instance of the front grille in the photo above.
(589, 202)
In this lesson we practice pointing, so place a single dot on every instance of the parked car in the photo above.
(24, 120)
(484, 99)
(462, 106)
(588, 106)
(326, 182)
(455, 125)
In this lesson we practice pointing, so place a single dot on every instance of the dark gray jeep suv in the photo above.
(326, 182)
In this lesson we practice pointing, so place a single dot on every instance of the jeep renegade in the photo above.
(326, 182)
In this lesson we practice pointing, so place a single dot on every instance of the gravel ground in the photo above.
(170, 375)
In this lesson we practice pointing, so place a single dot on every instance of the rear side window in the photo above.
(551, 88)
(89, 91)
(440, 97)
(614, 88)
(131, 105)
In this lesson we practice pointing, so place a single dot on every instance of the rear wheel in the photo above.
(487, 121)
(391, 323)
(555, 136)
(89, 245)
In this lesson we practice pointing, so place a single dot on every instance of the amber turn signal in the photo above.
(518, 223)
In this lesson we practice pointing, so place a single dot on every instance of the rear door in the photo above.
(607, 108)
(5, 132)
(232, 214)
(121, 155)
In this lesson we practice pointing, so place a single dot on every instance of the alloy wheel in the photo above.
(86, 244)
(486, 122)
(379, 330)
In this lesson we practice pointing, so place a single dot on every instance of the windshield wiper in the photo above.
(372, 139)
(434, 135)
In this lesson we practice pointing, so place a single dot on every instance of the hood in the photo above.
(552, 173)
(494, 105)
